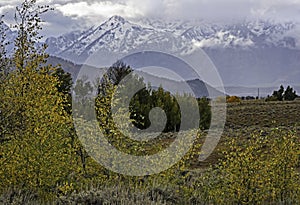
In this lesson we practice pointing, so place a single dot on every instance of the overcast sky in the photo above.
(77, 14)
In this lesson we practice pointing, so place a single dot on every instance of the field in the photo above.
(248, 117)
(263, 114)
(201, 182)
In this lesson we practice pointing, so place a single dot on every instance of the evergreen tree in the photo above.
(64, 86)
(146, 99)
(279, 94)
(289, 94)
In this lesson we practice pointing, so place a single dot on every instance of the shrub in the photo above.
(271, 98)
(263, 171)
(233, 99)
(117, 195)
(18, 196)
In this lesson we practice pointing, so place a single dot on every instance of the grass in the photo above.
(183, 187)
(262, 114)
(247, 117)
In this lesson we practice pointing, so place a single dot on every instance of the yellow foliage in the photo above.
(37, 154)
(233, 99)
(262, 171)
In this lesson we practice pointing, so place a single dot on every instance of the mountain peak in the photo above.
(116, 18)
(118, 35)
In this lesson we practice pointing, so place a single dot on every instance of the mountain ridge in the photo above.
(246, 53)
(128, 35)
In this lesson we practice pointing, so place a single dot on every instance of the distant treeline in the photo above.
(288, 94)
(143, 101)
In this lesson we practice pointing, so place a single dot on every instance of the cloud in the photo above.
(71, 14)
(188, 9)
(210, 10)
(6, 9)
(288, 10)
(221, 10)
(94, 10)
(57, 23)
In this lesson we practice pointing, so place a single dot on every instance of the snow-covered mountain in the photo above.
(250, 34)
(261, 53)
(122, 36)
(116, 35)
(249, 53)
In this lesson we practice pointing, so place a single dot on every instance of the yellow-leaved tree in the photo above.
(37, 153)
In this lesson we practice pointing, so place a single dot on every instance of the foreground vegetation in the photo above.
(42, 160)
(259, 169)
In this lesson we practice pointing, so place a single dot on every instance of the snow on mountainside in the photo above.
(63, 42)
(246, 53)
(122, 36)
(115, 35)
